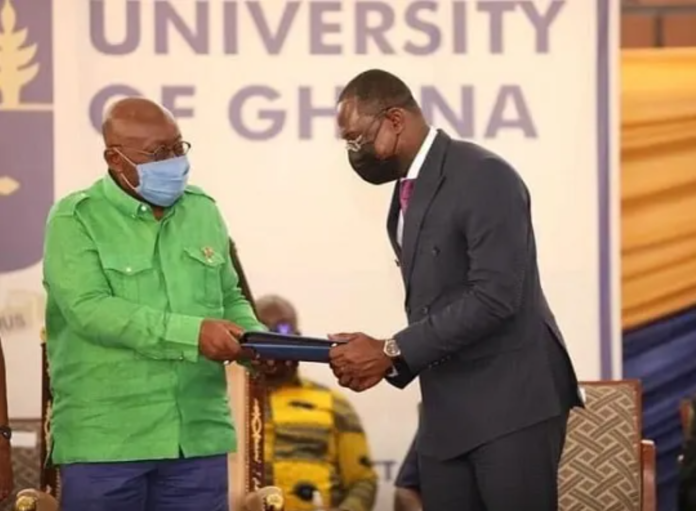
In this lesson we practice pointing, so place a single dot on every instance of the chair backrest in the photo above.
(686, 414)
(601, 463)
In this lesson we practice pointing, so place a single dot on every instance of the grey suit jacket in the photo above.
(481, 336)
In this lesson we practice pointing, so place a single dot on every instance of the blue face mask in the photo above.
(163, 182)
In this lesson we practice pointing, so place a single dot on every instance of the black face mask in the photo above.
(373, 169)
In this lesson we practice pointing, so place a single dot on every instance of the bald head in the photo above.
(138, 131)
(274, 311)
(129, 116)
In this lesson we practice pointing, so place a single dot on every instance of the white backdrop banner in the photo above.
(253, 84)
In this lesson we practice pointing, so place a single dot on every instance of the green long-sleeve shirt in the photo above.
(126, 298)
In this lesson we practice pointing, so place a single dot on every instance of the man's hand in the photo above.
(219, 340)
(360, 363)
(6, 476)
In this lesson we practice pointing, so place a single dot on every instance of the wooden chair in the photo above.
(33, 500)
(247, 395)
(606, 466)
(686, 414)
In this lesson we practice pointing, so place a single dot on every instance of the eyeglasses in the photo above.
(164, 152)
(361, 140)
(283, 328)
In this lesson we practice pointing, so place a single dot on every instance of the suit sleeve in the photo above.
(401, 375)
(495, 219)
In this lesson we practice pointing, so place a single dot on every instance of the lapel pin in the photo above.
(208, 252)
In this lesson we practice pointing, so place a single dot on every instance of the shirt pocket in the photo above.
(205, 274)
(127, 275)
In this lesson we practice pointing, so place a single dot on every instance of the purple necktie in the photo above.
(405, 193)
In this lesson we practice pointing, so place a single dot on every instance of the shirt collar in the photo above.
(130, 205)
(121, 200)
(418, 161)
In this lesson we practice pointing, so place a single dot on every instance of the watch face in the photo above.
(391, 349)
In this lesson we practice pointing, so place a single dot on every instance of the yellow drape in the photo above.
(658, 181)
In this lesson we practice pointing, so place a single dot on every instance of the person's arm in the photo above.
(75, 280)
(355, 464)
(406, 499)
(407, 484)
(409, 473)
(496, 221)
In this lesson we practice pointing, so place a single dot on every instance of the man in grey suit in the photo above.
(496, 381)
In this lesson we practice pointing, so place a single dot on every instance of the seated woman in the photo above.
(316, 450)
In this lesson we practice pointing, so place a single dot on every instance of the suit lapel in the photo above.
(393, 221)
(427, 185)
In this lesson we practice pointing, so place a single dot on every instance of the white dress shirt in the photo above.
(413, 171)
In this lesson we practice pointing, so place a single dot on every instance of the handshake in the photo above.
(218, 340)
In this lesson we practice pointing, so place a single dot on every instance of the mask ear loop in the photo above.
(396, 139)
(130, 185)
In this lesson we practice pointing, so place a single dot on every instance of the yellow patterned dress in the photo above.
(314, 441)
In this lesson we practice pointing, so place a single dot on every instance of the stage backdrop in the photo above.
(253, 84)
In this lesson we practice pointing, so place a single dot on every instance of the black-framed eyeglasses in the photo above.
(165, 152)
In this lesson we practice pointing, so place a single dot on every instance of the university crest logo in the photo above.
(26, 130)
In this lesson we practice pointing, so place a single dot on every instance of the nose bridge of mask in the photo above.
(171, 168)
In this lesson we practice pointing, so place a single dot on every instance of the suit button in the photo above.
(435, 251)
(425, 310)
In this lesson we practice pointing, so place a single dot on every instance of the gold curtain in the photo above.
(658, 183)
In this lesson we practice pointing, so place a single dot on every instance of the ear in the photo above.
(112, 158)
(397, 117)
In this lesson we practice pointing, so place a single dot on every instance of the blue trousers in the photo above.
(194, 484)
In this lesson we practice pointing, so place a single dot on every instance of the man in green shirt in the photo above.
(143, 310)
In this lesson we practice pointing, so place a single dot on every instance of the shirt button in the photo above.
(143, 208)
(129, 269)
